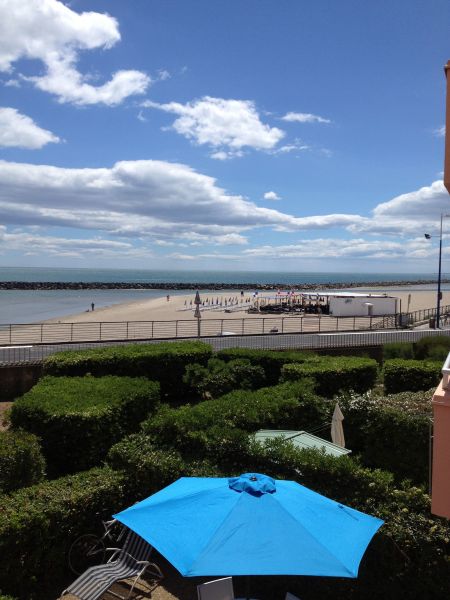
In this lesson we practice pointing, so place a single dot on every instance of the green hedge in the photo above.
(21, 460)
(291, 405)
(79, 418)
(390, 432)
(38, 524)
(410, 375)
(433, 347)
(149, 468)
(221, 377)
(271, 361)
(164, 362)
(333, 374)
(398, 350)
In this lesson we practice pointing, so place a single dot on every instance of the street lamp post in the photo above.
(439, 293)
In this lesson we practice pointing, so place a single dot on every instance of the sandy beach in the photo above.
(180, 308)
(222, 313)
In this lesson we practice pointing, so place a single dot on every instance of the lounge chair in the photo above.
(290, 596)
(128, 562)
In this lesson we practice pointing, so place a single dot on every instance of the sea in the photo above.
(29, 306)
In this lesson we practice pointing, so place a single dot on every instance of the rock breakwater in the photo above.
(119, 285)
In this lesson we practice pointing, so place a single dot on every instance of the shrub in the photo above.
(410, 375)
(390, 432)
(148, 468)
(38, 524)
(220, 377)
(398, 350)
(21, 460)
(164, 362)
(80, 418)
(271, 361)
(290, 405)
(434, 347)
(334, 374)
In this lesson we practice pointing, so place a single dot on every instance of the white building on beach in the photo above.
(352, 304)
(337, 304)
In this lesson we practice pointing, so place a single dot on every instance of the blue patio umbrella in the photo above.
(251, 525)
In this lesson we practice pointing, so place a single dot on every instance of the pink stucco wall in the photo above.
(440, 494)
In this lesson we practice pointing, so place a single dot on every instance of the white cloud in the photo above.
(20, 131)
(408, 214)
(440, 131)
(337, 248)
(296, 146)
(163, 74)
(58, 246)
(156, 203)
(417, 204)
(51, 32)
(222, 155)
(148, 198)
(179, 256)
(271, 196)
(227, 126)
(304, 118)
(141, 117)
(230, 239)
(12, 83)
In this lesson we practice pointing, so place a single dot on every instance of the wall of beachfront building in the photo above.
(440, 485)
(363, 306)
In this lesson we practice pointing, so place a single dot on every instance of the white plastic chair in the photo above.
(219, 589)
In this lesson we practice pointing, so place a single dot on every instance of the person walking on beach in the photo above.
(168, 297)
(92, 306)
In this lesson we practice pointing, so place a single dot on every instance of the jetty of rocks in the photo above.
(120, 285)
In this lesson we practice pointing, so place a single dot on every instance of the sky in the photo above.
(232, 135)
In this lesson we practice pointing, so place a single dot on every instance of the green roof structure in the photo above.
(302, 439)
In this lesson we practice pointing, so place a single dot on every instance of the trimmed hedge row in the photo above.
(38, 524)
(80, 418)
(220, 377)
(410, 375)
(335, 373)
(390, 432)
(21, 460)
(163, 362)
(398, 350)
(435, 347)
(270, 360)
(288, 405)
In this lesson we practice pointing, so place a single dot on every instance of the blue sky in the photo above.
(238, 135)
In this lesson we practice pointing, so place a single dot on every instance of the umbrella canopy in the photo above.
(251, 525)
(337, 431)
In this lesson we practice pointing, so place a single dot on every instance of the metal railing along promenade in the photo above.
(50, 333)
(36, 353)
